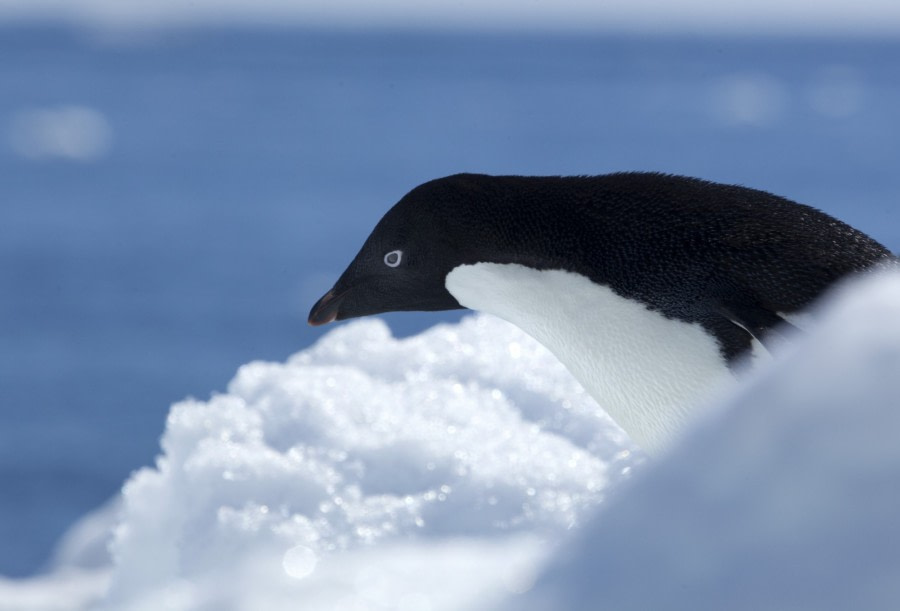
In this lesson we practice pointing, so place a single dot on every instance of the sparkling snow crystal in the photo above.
(461, 469)
(469, 430)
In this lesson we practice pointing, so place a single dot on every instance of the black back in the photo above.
(691, 249)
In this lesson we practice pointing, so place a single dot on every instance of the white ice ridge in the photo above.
(461, 469)
(361, 443)
(788, 498)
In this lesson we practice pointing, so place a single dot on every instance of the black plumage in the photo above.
(730, 258)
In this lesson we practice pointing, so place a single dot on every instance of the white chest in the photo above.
(647, 371)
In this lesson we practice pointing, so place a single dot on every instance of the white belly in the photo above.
(647, 371)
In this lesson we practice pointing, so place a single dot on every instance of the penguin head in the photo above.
(404, 262)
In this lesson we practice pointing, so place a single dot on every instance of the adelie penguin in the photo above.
(649, 288)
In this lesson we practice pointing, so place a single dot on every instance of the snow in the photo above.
(464, 468)
(466, 431)
(787, 499)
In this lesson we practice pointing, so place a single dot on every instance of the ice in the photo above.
(299, 561)
(786, 499)
(66, 589)
(463, 468)
(470, 430)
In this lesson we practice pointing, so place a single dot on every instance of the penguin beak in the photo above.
(326, 309)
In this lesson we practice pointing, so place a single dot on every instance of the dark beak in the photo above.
(326, 309)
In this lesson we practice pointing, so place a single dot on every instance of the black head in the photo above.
(404, 262)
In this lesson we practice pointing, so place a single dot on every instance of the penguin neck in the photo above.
(647, 371)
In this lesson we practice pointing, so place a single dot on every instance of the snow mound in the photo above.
(465, 431)
(788, 498)
(441, 472)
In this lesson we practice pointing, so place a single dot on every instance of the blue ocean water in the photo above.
(244, 168)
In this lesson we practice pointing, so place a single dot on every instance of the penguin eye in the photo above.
(393, 258)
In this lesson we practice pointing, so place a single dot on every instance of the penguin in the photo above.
(652, 289)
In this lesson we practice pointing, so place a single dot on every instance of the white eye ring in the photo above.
(393, 258)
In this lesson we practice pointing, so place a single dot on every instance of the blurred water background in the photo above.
(172, 203)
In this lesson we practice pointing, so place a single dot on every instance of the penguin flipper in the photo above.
(764, 325)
